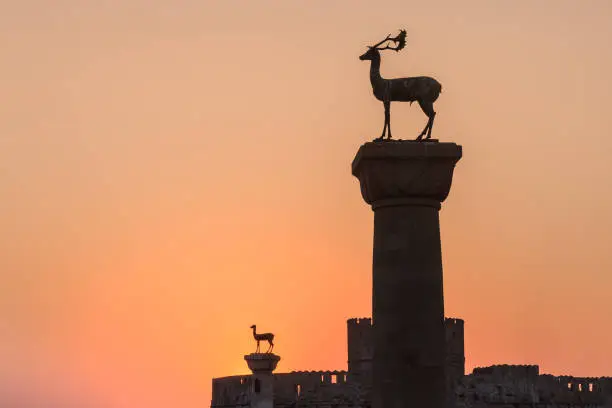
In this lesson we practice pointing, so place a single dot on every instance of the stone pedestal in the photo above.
(262, 385)
(405, 182)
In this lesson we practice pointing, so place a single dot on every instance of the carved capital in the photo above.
(405, 172)
(262, 362)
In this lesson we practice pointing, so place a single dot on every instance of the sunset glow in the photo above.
(174, 172)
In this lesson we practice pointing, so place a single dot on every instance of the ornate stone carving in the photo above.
(406, 172)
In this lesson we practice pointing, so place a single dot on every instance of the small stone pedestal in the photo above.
(405, 182)
(262, 387)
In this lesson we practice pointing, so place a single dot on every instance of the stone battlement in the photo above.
(453, 321)
(360, 321)
(505, 370)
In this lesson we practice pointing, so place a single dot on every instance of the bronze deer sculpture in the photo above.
(269, 337)
(424, 90)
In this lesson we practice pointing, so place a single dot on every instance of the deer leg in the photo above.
(384, 131)
(427, 108)
(431, 121)
(257, 349)
(388, 118)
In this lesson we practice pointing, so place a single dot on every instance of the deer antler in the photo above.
(377, 44)
(400, 40)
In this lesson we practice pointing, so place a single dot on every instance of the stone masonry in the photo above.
(498, 386)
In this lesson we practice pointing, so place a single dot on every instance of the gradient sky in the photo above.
(174, 171)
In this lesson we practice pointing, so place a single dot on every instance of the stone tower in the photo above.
(359, 337)
(455, 349)
(405, 182)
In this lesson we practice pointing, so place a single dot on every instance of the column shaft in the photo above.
(408, 308)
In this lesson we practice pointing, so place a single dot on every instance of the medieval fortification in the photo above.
(499, 386)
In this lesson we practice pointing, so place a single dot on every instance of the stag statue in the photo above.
(424, 90)
(269, 337)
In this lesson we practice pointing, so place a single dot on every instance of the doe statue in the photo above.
(269, 337)
(424, 90)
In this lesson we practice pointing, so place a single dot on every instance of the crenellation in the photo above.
(359, 321)
(524, 383)
(453, 321)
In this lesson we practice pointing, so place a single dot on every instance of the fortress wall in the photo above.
(576, 390)
(509, 372)
(231, 391)
(312, 388)
(496, 386)
(521, 384)
(305, 388)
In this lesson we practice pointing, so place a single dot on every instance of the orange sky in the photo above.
(175, 171)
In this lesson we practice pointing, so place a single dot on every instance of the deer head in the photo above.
(373, 50)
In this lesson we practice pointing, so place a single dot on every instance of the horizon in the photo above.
(164, 164)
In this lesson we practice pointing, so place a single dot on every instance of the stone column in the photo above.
(405, 182)
(262, 382)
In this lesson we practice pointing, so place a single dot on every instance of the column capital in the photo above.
(262, 362)
(405, 172)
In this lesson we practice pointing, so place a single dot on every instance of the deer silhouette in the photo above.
(269, 337)
(424, 90)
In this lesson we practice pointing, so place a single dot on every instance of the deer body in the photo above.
(422, 89)
(269, 337)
